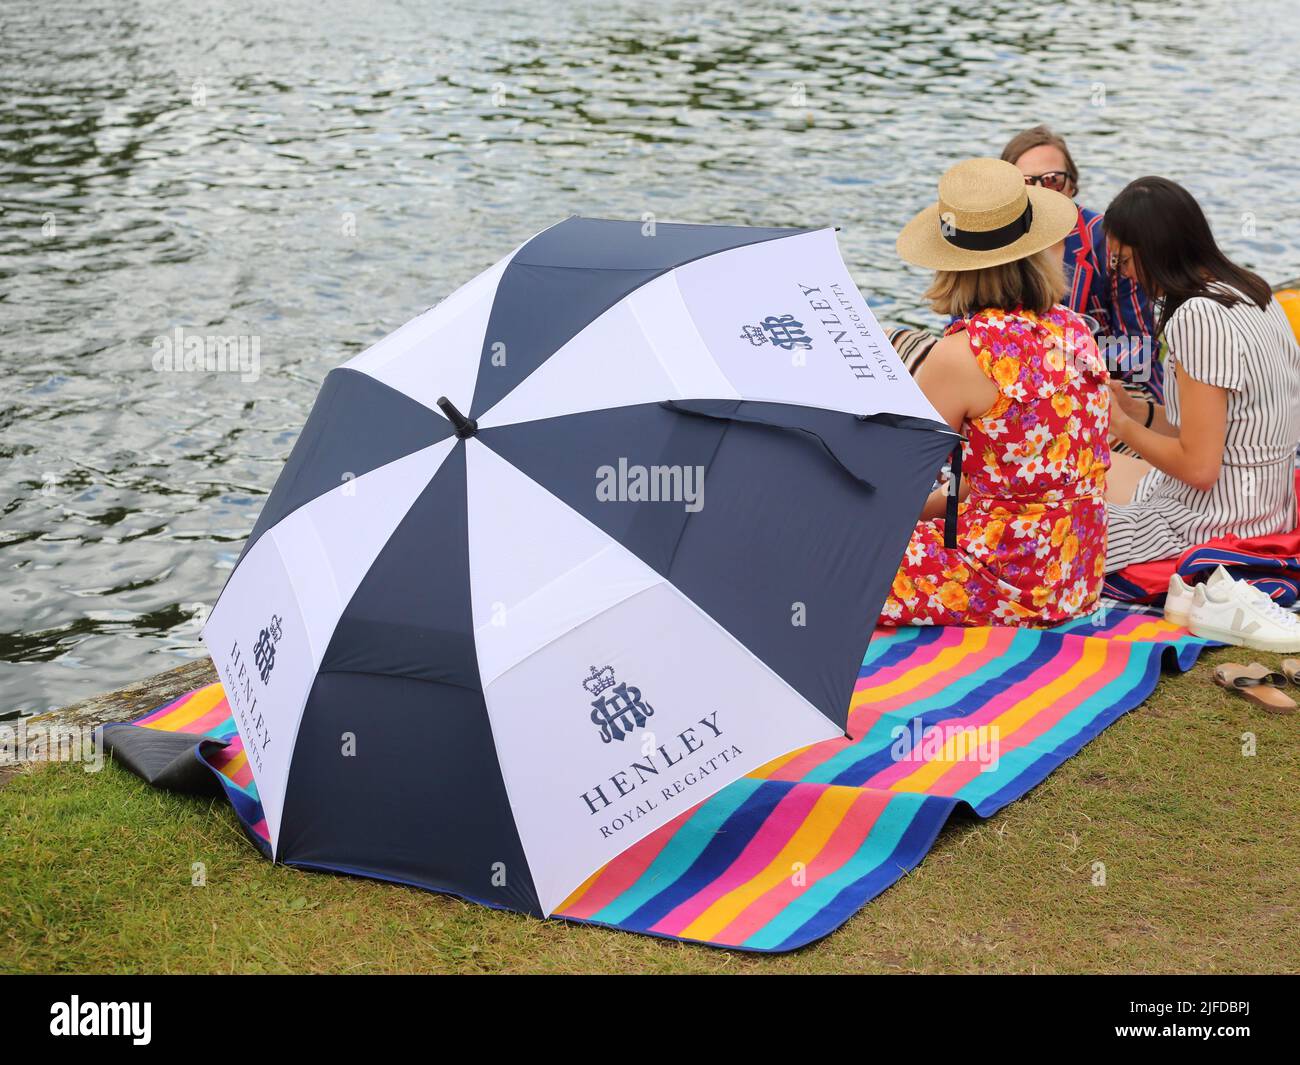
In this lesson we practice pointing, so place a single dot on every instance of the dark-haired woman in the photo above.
(1219, 456)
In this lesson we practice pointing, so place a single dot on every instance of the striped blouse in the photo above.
(1252, 354)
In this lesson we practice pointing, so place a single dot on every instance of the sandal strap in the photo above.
(1231, 675)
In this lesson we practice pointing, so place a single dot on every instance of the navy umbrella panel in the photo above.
(603, 531)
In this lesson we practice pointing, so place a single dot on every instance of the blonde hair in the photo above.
(1036, 283)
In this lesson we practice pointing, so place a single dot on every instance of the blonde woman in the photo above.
(1019, 375)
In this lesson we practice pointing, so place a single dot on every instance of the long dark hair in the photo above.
(1177, 257)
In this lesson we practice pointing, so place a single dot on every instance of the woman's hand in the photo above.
(1193, 451)
(1125, 401)
(1123, 421)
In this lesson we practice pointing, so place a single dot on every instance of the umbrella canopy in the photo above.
(603, 531)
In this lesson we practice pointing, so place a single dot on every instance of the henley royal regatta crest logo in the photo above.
(619, 712)
(264, 648)
(781, 331)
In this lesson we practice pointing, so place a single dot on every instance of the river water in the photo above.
(310, 175)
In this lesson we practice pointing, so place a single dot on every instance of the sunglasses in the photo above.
(1056, 180)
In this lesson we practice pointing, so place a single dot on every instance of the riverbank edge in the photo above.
(123, 704)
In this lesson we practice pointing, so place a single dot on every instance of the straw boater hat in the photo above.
(986, 216)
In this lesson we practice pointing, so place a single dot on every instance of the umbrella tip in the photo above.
(465, 427)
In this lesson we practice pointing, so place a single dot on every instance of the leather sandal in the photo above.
(1291, 667)
(1257, 683)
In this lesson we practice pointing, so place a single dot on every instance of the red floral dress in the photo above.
(1031, 536)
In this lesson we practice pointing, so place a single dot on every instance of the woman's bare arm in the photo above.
(1195, 454)
(952, 380)
(936, 504)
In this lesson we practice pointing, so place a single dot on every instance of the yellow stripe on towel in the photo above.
(823, 819)
(973, 642)
(1013, 718)
(192, 709)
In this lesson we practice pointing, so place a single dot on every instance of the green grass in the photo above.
(1200, 844)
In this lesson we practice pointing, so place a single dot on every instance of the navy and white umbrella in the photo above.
(603, 531)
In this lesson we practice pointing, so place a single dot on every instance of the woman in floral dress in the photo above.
(1019, 375)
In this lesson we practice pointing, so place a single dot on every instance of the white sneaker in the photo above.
(1238, 614)
(1178, 601)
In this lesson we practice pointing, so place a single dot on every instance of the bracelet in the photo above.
(1151, 413)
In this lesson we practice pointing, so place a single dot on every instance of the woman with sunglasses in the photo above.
(1220, 452)
(1117, 303)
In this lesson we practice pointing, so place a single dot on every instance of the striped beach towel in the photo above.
(940, 717)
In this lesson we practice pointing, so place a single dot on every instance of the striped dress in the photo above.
(1254, 355)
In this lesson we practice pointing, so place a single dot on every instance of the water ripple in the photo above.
(314, 174)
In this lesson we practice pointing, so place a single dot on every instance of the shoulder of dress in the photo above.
(989, 316)
(1200, 305)
(1200, 313)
